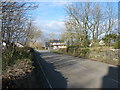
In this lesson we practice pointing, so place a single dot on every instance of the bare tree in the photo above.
(52, 36)
(14, 23)
(78, 22)
(89, 21)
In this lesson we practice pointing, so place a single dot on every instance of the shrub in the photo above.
(6, 55)
(55, 51)
(84, 52)
(76, 51)
(63, 50)
(70, 51)
(117, 45)
(95, 44)
(19, 54)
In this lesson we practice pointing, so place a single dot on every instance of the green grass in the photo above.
(101, 54)
(55, 51)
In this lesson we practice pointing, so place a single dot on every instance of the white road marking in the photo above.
(44, 73)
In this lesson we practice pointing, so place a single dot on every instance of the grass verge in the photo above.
(16, 69)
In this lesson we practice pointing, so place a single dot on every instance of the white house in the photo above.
(55, 44)
(101, 43)
(19, 45)
(4, 44)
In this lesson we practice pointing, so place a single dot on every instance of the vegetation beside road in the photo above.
(91, 32)
(16, 68)
(102, 54)
(9, 59)
(18, 31)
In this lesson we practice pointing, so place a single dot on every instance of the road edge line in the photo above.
(43, 73)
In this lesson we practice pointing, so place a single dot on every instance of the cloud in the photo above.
(49, 17)
(63, 3)
(49, 26)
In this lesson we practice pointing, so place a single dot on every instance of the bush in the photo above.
(63, 50)
(70, 51)
(117, 45)
(9, 59)
(55, 51)
(6, 55)
(95, 44)
(84, 52)
(76, 51)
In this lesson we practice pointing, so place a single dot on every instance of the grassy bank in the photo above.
(9, 58)
(101, 54)
(16, 68)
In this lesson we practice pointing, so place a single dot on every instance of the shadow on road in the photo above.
(56, 79)
(112, 79)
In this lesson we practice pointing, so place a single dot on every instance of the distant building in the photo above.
(3, 45)
(101, 42)
(19, 45)
(55, 44)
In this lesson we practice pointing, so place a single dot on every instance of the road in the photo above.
(63, 71)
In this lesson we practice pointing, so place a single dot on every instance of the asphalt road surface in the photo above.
(63, 71)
